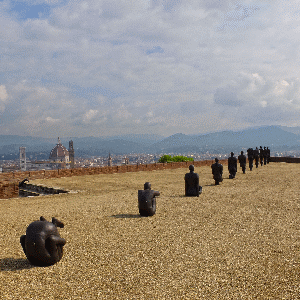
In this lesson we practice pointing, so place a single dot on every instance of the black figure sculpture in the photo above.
(261, 155)
(42, 243)
(256, 157)
(192, 187)
(232, 166)
(217, 171)
(265, 155)
(250, 154)
(147, 201)
(242, 160)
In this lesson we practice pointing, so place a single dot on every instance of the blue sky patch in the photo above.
(156, 49)
(25, 11)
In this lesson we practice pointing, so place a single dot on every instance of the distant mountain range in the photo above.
(277, 138)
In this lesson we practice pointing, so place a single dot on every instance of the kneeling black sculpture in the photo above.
(232, 165)
(42, 243)
(192, 187)
(147, 201)
(217, 171)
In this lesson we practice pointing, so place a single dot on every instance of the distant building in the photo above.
(71, 154)
(59, 153)
(22, 158)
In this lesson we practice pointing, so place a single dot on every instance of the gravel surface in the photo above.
(239, 240)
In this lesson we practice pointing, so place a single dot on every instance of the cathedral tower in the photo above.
(71, 154)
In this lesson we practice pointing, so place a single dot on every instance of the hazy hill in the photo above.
(271, 136)
(275, 137)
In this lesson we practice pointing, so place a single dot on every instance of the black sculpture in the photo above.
(250, 154)
(147, 201)
(242, 160)
(42, 243)
(261, 155)
(265, 155)
(22, 183)
(192, 187)
(217, 171)
(232, 166)
(256, 157)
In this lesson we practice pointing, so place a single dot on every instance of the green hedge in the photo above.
(178, 158)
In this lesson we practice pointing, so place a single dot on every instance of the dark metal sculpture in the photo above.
(242, 160)
(217, 171)
(232, 166)
(250, 154)
(147, 201)
(42, 243)
(192, 187)
(265, 155)
(256, 157)
(261, 155)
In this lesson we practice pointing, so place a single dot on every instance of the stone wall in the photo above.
(286, 159)
(9, 190)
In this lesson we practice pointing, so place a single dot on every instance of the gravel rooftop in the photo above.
(239, 240)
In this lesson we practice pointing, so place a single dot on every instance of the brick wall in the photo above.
(9, 190)
(286, 159)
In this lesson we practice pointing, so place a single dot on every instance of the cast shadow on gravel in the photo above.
(14, 264)
(127, 216)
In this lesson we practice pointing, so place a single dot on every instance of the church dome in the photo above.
(59, 153)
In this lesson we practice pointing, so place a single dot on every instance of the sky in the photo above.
(117, 67)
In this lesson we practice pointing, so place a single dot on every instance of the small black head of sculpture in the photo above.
(231, 153)
(216, 160)
(147, 186)
(191, 168)
(42, 243)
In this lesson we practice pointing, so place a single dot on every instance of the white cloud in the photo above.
(3, 93)
(169, 64)
(89, 115)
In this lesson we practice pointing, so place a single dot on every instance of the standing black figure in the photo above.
(192, 187)
(242, 160)
(250, 154)
(42, 243)
(256, 157)
(265, 155)
(261, 155)
(217, 171)
(232, 166)
(147, 201)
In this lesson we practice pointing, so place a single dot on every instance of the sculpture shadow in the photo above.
(14, 264)
(126, 216)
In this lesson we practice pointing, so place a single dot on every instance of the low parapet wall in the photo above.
(9, 182)
(9, 190)
(286, 159)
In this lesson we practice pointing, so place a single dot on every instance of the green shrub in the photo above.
(178, 158)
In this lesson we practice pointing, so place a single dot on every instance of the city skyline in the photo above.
(107, 68)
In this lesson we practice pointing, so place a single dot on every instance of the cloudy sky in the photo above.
(113, 67)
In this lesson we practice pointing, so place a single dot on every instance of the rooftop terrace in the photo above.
(239, 240)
